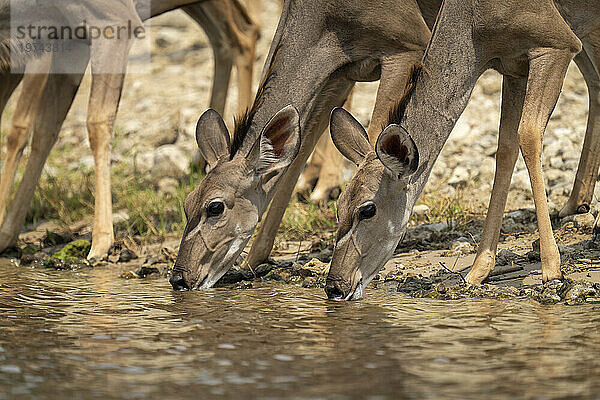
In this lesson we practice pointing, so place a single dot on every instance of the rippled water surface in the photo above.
(89, 335)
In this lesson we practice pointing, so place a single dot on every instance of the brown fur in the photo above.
(397, 112)
(243, 122)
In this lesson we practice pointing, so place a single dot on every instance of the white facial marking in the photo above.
(236, 245)
(347, 236)
(193, 232)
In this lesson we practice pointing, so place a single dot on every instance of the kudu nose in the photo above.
(334, 292)
(178, 282)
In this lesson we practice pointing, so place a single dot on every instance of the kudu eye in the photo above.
(215, 208)
(366, 211)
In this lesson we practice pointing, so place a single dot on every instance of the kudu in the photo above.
(47, 97)
(531, 43)
(322, 48)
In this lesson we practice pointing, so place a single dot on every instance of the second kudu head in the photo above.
(371, 223)
(222, 212)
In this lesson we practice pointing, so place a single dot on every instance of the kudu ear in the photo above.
(212, 137)
(348, 135)
(397, 151)
(279, 142)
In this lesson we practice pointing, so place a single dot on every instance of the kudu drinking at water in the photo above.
(47, 95)
(531, 43)
(319, 50)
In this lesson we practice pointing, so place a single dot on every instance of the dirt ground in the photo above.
(432, 257)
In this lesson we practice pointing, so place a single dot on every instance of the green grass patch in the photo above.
(305, 219)
(68, 197)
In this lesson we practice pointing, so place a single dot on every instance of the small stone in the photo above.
(520, 180)
(145, 271)
(437, 228)
(506, 257)
(127, 255)
(462, 247)
(129, 275)
(593, 300)
(76, 249)
(421, 209)
(167, 186)
(584, 222)
(55, 239)
(170, 161)
(314, 267)
(460, 176)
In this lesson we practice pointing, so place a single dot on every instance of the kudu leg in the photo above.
(589, 162)
(325, 167)
(232, 35)
(55, 103)
(208, 15)
(246, 32)
(8, 84)
(547, 71)
(18, 134)
(331, 173)
(513, 92)
(102, 110)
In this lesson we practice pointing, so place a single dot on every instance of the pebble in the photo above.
(421, 209)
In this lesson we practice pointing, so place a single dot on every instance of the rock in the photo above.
(145, 271)
(556, 162)
(567, 252)
(144, 162)
(447, 191)
(487, 170)
(584, 222)
(535, 245)
(520, 180)
(510, 226)
(506, 257)
(166, 37)
(553, 291)
(314, 267)
(522, 216)
(579, 292)
(167, 186)
(55, 239)
(127, 255)
(170, 161)
(460, 176)
(462, 247)
(434, 228)
(235, 276)
(129, 275)
(420, 209)
(77, 249)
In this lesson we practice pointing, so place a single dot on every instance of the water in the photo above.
(89, 335)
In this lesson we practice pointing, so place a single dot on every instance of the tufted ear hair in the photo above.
(397, 151)
(212, 137)
(348, 135)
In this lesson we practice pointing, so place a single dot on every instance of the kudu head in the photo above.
(371, 222)
(222, 212)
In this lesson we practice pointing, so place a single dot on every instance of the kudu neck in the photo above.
(443, 89)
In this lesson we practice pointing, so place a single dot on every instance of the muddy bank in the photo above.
(430, 263)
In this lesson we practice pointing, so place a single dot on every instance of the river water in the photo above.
(90, 335)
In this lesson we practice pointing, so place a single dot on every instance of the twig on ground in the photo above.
(462, 278)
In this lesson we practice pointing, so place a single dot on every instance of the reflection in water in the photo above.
(87, 335)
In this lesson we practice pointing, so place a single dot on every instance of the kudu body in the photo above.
(531, 43)
(46, 98)
(322, 47)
